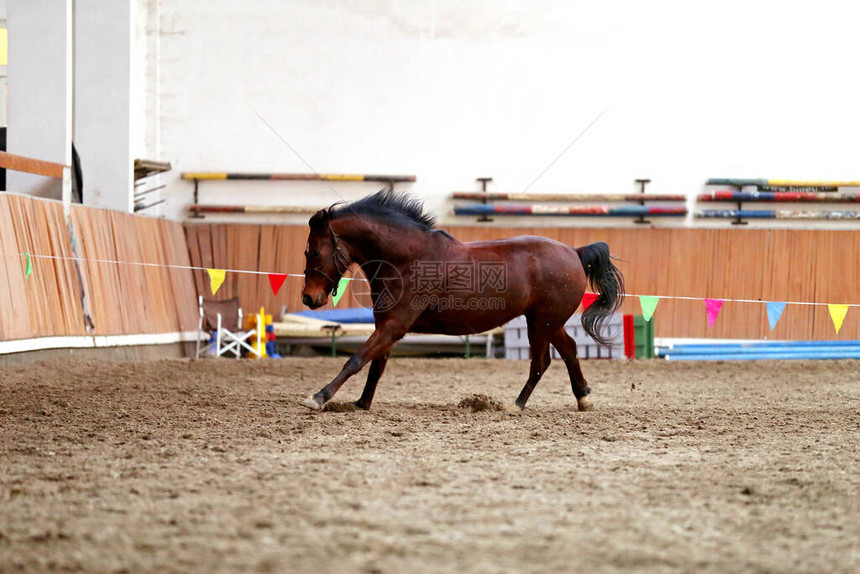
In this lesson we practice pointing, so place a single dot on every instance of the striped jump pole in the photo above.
(297, 177)
(198, 176)
(783, 184)
(779, 197)
(301, 209)
(569, 210)
(775, 214)
(537, 197)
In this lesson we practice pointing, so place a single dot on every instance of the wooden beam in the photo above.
(30, 165)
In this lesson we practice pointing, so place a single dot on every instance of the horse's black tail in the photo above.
(606, 279)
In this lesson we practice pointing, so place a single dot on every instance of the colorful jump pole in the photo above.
(536, 197)
(297, 176)
(775, 214)
(778, 197)
(604, 211)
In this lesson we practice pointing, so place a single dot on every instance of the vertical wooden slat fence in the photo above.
(765, 264)
(123, 299)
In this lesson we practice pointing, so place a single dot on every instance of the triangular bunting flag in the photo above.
(276, 280)
(774, 312)
(648, 304)
(713, 306)
(29, 269)
(341, 289)
(587, 300)
(837, 313)
(216, 278)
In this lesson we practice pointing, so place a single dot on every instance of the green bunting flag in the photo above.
(648, 304)
(29, 270)
(341, 289)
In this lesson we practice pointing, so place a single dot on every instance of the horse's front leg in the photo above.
(378, 345)
(377, 367)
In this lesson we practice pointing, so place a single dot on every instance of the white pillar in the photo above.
(39, 104)
(104, 37)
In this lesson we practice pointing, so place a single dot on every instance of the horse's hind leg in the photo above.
(566, 347)
(539, 345)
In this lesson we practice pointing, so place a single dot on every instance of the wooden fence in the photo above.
(122, 299)
(771, 265)
(270, 248)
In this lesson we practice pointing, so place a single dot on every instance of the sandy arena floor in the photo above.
(214, 466)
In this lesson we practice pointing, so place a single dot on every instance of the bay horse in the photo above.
(422, 280)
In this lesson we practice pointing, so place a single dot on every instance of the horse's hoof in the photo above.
(312, 404)
(514, 409)
(359, 405)
(584, 404)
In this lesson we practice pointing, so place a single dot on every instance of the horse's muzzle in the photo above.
(309, 301)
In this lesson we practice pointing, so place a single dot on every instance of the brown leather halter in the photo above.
(340, 259)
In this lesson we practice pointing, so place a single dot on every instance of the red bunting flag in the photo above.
(276, 280)
(587, 300)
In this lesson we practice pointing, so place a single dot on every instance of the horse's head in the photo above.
(326, 260)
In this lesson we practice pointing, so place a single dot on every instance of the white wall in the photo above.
(103, 101)
(40, 84)
(450, 91)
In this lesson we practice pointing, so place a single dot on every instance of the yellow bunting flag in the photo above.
(837, 313)
(216, 278)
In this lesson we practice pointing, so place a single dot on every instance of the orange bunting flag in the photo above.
(837, 314)
(587, 300)
(216, 278)
(276, 280)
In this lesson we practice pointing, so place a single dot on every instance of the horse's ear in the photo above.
(320, 218)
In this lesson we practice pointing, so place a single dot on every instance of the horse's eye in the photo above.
(314, 254)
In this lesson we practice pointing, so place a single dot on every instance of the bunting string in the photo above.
(142, 264)
(34, 256)
(736, 300)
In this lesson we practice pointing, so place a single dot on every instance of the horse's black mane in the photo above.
(391, 206)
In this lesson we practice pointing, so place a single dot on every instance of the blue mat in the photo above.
(349, 315)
